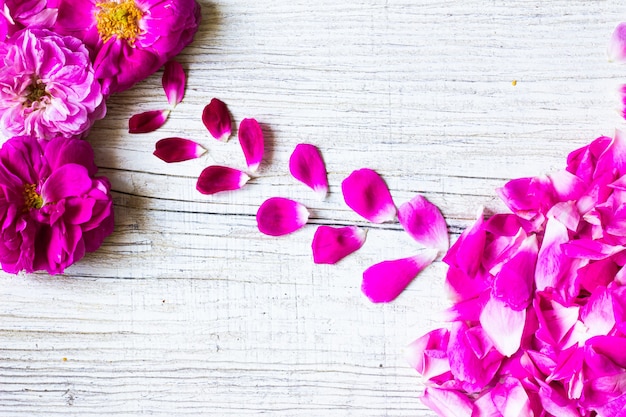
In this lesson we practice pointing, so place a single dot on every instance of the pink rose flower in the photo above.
(19, 14)
(53, 208)
(48, 86)
(129, 39)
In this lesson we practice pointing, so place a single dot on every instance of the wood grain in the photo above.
(188, 310)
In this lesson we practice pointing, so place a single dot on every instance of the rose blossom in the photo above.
(53, 208)
(18, 14)
(47, 86)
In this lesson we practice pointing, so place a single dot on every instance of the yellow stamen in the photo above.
(118, 18)
(31, 198)
(36, 91)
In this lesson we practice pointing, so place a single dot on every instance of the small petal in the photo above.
(424, 222)
(365, 192)
(174, 82)
(514, 283)
(251, 140)
(428, 354)
(617, 44)
(147, 121)
(332, 244)
(384, 281)
(306, 165)
(447, 403)
(215, 179)
(217, 120)
(503, 325)
(279, 216)
(177, 150)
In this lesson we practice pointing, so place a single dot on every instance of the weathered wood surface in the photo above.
(188, 310)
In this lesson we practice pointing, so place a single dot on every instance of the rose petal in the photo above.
(503, 325)
(428, 354)
(217, 120)
(279, 216)
(514, 283)
(617, 44)
(147, 121)
(511, 399)
(365, 192)
(174, 82)
(423, 221)
(552, 264)
(384, 281)
(306, 165)
(447, 403)
(331, 244)
(70, 180)
(215, 179)
(252, 143)
(178, 149)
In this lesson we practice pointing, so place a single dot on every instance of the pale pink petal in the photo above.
(424, 222)
(613, 159)
(552, 264)
(215, 179)
(217, 120)
(306, 165)
(514, 283)
(567, 213)
(279, 216)
(617, 44)
(147, 121)
(252, 142)
(384, 281)
(484, 406)
(365, 192)
(178, 149)
(503, 325)
(428, 354)
(567, 186)
(598, 314)
(511, 399)
(332, 244)
(174, 82)
(555, 320)
(447, 403)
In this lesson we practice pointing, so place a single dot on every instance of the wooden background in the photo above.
(187, 310)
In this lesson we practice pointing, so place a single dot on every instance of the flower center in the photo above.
(118, 18)
(32, 199)
(36, 91)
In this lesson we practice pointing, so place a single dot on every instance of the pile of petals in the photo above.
(538, 324)
(61, 60)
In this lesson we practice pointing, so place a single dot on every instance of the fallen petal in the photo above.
(514, 283)
(217, 120)
(365, 192)
(428, 354)
(147, 121)
(174, 82)
(331, 244)
(447, 403)
(251, 140)
(306, 165)
(384, 281)
(425, 223)
(215, 179)
(177, 150)
(617, 44)
(511, 399)
(279, 216)
(503, 325)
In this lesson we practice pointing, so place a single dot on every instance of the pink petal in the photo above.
(279, 216)
(467, 251)
(177, 149)
(251, 140)
(589, 249)
(511, 399)
(215, 179)
(365, 192)
(306, 165)
(428, 354)
(447, 403)
(503, 325)
(174, 82)
(331, 244)
(147, 121)
(555, 320)
(617, 44)
(70, 180)
(514, 283)
(424, 222)
(384, 281)
(217, 120)
(598, 314)
(552, 264)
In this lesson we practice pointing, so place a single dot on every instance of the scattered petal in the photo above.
(217, 120)
(514, 283)
(306, 165)
(365, 192)
(174, 82)
(385, 281)
(503, 325)
(279, 216)
(147, 121)
(215, 179)
(428, 354)
(447, 403)
(252, 142)
(424, 222)
(617, 44)
(332, 244)
(178, 150)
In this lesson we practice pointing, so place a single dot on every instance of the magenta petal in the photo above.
(424, 222)
(514, 283)
(147, 121)
(428, 354)
(217, 120)
(306, 165)
(617, 44)
(365, 192)
(215, 179)
(332, 244)
(174, 82)
(252, 143)
(279, 216)
(447, 403)
(177, 149)
(503, 325)
(384, 281)
(70, 180)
